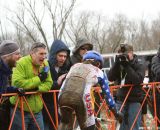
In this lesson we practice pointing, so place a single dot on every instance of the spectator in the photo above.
(59, 62)
(31, 74)
(82, 46)
(127, 69)
(155, 68)
(75, 92)
(9, 54)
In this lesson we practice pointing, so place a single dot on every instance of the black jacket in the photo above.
(155, 68)
(134, 74)
(5, 73)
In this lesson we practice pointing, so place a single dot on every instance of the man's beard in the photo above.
(11, 63)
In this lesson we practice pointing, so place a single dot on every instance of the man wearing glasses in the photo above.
(83, 45)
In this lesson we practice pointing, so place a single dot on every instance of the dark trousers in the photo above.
(4, 115)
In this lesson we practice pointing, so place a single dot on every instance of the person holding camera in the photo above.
(128, 69)
(32, 74)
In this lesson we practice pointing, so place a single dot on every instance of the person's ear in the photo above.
(98, 64)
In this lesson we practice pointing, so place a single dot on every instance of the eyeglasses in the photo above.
(85, 48)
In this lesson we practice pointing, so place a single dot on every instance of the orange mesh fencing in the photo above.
(109, 121)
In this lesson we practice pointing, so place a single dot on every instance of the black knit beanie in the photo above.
(8, 47)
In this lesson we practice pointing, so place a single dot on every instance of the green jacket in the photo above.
(24, 77)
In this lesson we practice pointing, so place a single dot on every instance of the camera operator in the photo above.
(128, 69)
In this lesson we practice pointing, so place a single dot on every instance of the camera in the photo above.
(122, 57)
(122, 48)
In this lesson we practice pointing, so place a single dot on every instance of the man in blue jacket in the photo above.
(9, 54)
(59, 62)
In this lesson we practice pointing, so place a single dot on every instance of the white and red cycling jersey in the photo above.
(90, 76)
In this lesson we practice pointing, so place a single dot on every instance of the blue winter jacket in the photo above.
(56, 47)
(5, 73)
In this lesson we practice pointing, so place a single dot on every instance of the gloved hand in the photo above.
(124, 60)
(124, 63)
(118, 115)
(44, 74)
(13, 89)
(21, 91)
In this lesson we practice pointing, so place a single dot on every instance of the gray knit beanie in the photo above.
(8, 47)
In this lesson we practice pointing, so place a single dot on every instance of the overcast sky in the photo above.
(131, 8)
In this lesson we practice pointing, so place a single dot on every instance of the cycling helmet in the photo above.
(93, 55)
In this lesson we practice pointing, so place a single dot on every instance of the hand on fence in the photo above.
(118, 115)
(20, 91)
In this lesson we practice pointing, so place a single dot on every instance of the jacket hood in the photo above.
(56, 47)
(80, 43)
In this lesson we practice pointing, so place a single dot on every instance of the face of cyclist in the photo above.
(61, 58)
(38, 56)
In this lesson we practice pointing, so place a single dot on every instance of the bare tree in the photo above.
(155, 33)
(79, 27)
(31, 18)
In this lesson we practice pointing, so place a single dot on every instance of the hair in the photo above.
(37, 45)
(123, 48)
(92, 61)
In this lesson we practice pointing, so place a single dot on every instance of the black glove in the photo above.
(118, 115)
(124, 63)
(44, 74)
(21, 91)
(124, 60)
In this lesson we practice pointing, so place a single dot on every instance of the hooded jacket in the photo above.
(24, 77)
(76, 57)
(58, 46)
(134, 74)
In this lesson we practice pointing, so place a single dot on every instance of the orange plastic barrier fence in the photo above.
(106, 119)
